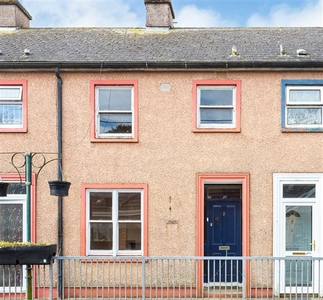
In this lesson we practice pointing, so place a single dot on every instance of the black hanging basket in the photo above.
(3, 189)
(59, 188)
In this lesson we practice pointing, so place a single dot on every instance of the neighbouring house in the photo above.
(176, 141)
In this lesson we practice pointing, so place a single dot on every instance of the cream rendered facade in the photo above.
(168, 156)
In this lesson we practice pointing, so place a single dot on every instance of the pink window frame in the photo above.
(235, 83)
(95, 83)
(23, 84)
(143, 187)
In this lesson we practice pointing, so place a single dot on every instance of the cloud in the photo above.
(128, 13)
(284, 15)
(192, 16)
(81, 13)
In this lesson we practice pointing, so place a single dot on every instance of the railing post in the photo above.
(244, 278)
(51, 280)
(143, 279)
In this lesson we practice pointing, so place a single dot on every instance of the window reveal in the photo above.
(11, 106)
(114, 110)
(216, 106)
(115, 221)
(302, 105)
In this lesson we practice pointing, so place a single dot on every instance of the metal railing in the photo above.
(169, 278)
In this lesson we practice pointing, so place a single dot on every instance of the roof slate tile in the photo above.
(137, 45)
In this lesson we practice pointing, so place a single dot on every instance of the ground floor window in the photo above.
(13, 229)
(115, 220)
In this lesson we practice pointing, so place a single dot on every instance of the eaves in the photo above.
(164, 65)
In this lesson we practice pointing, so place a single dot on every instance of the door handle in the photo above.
(313, 244)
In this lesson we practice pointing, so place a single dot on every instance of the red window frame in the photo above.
(23, 84)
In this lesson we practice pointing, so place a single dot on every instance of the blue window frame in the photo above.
(302, 105)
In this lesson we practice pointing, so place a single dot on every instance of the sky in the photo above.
(188, 13)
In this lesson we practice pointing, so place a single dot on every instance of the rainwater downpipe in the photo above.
(60, 178)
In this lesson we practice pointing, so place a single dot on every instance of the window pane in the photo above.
(100, 206)
(216, 97)
(223, 191)
(129, 236)
(299, 191)
(129, 206)
(298, 228)
(216, 116)
(114, 99)
(304, 116)
(16, 188)
(11, 222)
(304, 96)
(10, 93)
(115, 123)
(11, 114)
(101, 236)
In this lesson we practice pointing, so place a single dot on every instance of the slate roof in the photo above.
(179, 48)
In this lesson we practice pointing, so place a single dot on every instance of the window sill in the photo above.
(114, 140)
(114, 259)
(293, 130)
(216, 130)
(10, 130)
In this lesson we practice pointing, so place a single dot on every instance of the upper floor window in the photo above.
(115, 109)
(216, 105)
(13, 106)
(302, 103)
(115, 220)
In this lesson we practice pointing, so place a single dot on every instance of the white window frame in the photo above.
(115, 222)
(4, 101)
(17, 199)
(98, 112)
(233, 106)
(292, 104)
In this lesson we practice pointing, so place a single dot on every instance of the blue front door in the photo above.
(223, 238)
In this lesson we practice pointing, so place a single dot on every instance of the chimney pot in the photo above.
(159, 13)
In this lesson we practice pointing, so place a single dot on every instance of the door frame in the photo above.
(279, 220)
(221, 178)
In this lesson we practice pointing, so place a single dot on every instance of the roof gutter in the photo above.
(179, 65)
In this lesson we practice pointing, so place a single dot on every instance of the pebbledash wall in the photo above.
(168, 157)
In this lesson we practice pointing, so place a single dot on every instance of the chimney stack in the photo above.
(159, 14)
(13, 14)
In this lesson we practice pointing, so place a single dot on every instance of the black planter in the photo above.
(3, 189)
(27, 255)
(59, 188)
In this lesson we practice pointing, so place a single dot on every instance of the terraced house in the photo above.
(178, 142)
